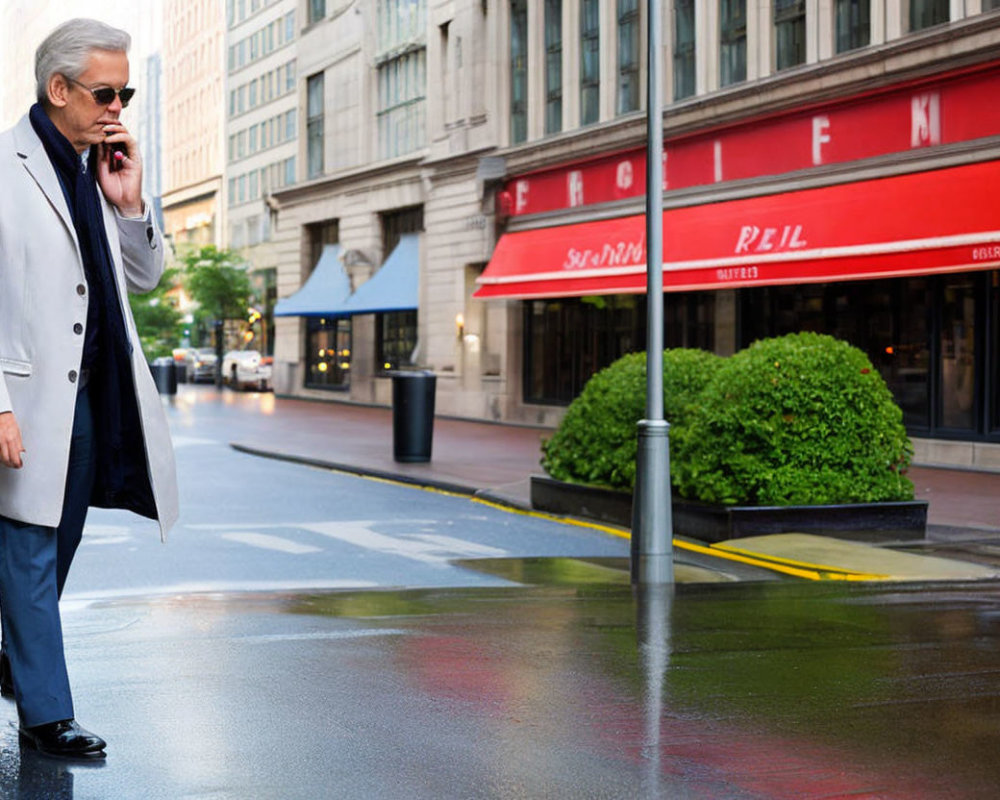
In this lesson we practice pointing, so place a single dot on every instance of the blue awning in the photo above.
(325, 292)
(394, 286)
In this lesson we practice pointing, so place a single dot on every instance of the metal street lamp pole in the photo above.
(652, 527)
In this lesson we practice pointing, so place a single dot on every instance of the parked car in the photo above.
(201, 365)
(246, 369)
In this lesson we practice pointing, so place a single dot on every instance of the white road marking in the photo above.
(187, 441)
(460, 546)
(78, 600)
(428, 548)
(267, 542)
(416, 547)
(299, 637)
(96, 533)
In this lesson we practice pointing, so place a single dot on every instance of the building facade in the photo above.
(194, 122)
(829, 166)
(261, 136)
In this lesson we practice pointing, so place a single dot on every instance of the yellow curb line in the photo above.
(812, 572)
(849, 574)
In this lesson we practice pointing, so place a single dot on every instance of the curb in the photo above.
(371, 472)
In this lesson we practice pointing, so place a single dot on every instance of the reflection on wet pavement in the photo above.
(583, 689)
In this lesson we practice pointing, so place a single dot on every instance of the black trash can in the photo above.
(164, 375)
(412, 415)
(181, 369)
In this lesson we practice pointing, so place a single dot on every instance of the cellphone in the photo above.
(117, 147)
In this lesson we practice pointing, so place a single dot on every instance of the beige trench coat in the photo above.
(43, 295)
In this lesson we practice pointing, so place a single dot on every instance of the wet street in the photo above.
(780, 690)
(309, 634)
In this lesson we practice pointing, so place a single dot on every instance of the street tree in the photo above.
(218, 282)
(156, 317)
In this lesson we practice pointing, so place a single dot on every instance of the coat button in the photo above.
(81, 289)
(72, 376)
(78, 328)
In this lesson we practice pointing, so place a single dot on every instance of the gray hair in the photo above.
(66, 50)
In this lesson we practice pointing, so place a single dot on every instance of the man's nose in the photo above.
(116, 106)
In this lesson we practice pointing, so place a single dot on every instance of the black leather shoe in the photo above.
(6, 679)
(64, 738)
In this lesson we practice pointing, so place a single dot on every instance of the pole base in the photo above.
(652, 526)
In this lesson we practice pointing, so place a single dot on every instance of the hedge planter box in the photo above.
(869, 522)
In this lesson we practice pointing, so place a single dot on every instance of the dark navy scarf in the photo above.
(106, 348)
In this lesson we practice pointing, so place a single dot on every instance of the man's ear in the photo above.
(58, 90)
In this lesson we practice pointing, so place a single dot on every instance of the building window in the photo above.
(518, 71)
(402, 98)
(590, 61)
(314, 125)
(553, 66)
(991, 5)
(316, 11)
(853, 24)
(396, 223)
(927, 13)
(684, 75)
(400, 22)
(396, 337)
(628, 56)
(320, 235)
(328, 353)
(402, 76)
(789, 33)
(732, 41)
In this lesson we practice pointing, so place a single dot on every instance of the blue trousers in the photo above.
(34, 563)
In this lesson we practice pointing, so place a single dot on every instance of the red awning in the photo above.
(944, 220)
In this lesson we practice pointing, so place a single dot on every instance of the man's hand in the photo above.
(120, 177)
(10, 441)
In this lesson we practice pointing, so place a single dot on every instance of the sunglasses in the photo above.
(105, 95)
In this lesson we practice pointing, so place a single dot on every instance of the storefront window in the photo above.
(397, 339)
(958, 352)
(328, 353)
(569, 339)
(925, 335)
(853, 24)
(684, 76)
(994, 349)
(907, 368)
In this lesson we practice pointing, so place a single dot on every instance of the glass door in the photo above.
(957, 347)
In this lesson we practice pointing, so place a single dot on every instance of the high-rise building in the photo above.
(194, 122)
(261, 105)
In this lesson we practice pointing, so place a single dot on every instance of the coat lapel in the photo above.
(32, 154)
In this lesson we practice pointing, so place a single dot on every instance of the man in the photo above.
(80, 420)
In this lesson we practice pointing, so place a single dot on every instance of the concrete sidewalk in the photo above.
(496, 461)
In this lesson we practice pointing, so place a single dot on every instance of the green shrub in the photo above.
(802, 419)
(596, 441)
